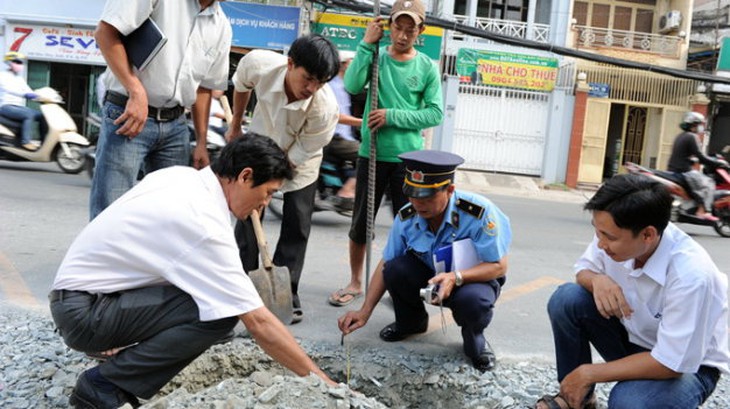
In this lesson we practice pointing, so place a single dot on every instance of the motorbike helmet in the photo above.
(691, 119)
(14, 56)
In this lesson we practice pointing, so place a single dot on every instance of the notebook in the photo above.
(144, 43)
(458, 255)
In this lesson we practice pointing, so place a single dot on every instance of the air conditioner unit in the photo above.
(670, 21)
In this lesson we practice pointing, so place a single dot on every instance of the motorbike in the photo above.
(684, 207)
(330, 180)
(61, 144)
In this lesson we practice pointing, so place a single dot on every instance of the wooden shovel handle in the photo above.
(226, 108)
(261, 240)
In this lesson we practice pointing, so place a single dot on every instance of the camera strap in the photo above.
(443, 316)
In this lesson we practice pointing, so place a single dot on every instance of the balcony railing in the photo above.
(592, 37)
(518, 29)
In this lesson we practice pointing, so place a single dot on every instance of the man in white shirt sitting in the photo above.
(651, 302)
(158, 271)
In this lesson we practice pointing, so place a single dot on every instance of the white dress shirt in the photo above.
(301, 128)
(174, 227)
(196, 53)
(679, 300)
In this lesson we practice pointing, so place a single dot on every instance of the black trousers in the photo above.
(163, 321)
(471, 304)
(388, 175)
(296, 224)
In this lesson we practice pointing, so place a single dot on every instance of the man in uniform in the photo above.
(437, 217)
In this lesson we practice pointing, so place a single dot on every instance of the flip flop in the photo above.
(338, 297)
(297, 315)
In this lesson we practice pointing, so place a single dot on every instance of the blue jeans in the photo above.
(26, 116)
(119, 159)
(577, 324)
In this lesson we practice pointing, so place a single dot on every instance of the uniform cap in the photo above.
(412, 8)
(428, 171)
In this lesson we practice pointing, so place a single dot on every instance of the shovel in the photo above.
(273, 283)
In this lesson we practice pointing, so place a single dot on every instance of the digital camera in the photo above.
(430, 294)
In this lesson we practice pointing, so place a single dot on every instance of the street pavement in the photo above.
(43, 209)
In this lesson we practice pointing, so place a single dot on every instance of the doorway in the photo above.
(633, 146)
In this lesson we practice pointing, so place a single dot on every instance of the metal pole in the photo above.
(372, 155)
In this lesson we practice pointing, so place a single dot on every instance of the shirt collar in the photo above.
(211, 182)
(210, 10)
(277, 92)
(658, 264)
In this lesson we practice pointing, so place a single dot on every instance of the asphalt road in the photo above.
(42, 210)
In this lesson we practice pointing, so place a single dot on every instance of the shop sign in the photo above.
(53, 43)
(262, 26)
(346, 31)
(507, 69)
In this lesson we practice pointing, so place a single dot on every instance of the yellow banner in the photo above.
(512, 74)
(362, 22)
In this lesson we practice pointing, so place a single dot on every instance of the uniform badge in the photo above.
(490, 226)
(417, 176)
(407, 4)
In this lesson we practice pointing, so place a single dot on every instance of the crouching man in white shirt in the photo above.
(159, 269)
(650, 301)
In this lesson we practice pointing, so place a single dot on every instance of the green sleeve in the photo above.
(431, 112)
(358, 72)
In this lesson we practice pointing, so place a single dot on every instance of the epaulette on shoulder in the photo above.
(470, 208)
(407, 212)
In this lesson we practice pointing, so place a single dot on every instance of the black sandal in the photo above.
(552, 402)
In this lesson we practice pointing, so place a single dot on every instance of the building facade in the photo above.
(627, 114)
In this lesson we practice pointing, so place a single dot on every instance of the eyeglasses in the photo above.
(17, 62)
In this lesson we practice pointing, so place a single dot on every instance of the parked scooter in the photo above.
(62, 143)
(684, 207)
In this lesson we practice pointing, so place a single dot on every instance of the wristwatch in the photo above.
(459, 278)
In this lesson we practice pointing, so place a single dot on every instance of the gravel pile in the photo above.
(38, 371)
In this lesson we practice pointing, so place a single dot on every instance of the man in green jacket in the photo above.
(409, 101)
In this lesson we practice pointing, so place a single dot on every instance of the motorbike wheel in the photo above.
(276, 205)
(73, 163)
(722, 227)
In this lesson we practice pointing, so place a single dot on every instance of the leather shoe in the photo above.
(30, 147)
(391, 333)
(486, 361)
(86, 396)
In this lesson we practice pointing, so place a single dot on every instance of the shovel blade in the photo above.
(274, 287)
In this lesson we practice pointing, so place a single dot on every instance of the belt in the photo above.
(159, 114)
(59, 295)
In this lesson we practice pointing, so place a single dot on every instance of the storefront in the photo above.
(58, 40)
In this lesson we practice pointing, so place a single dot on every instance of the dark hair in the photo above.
(317, 55)
(634, 202)
(254, 151)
